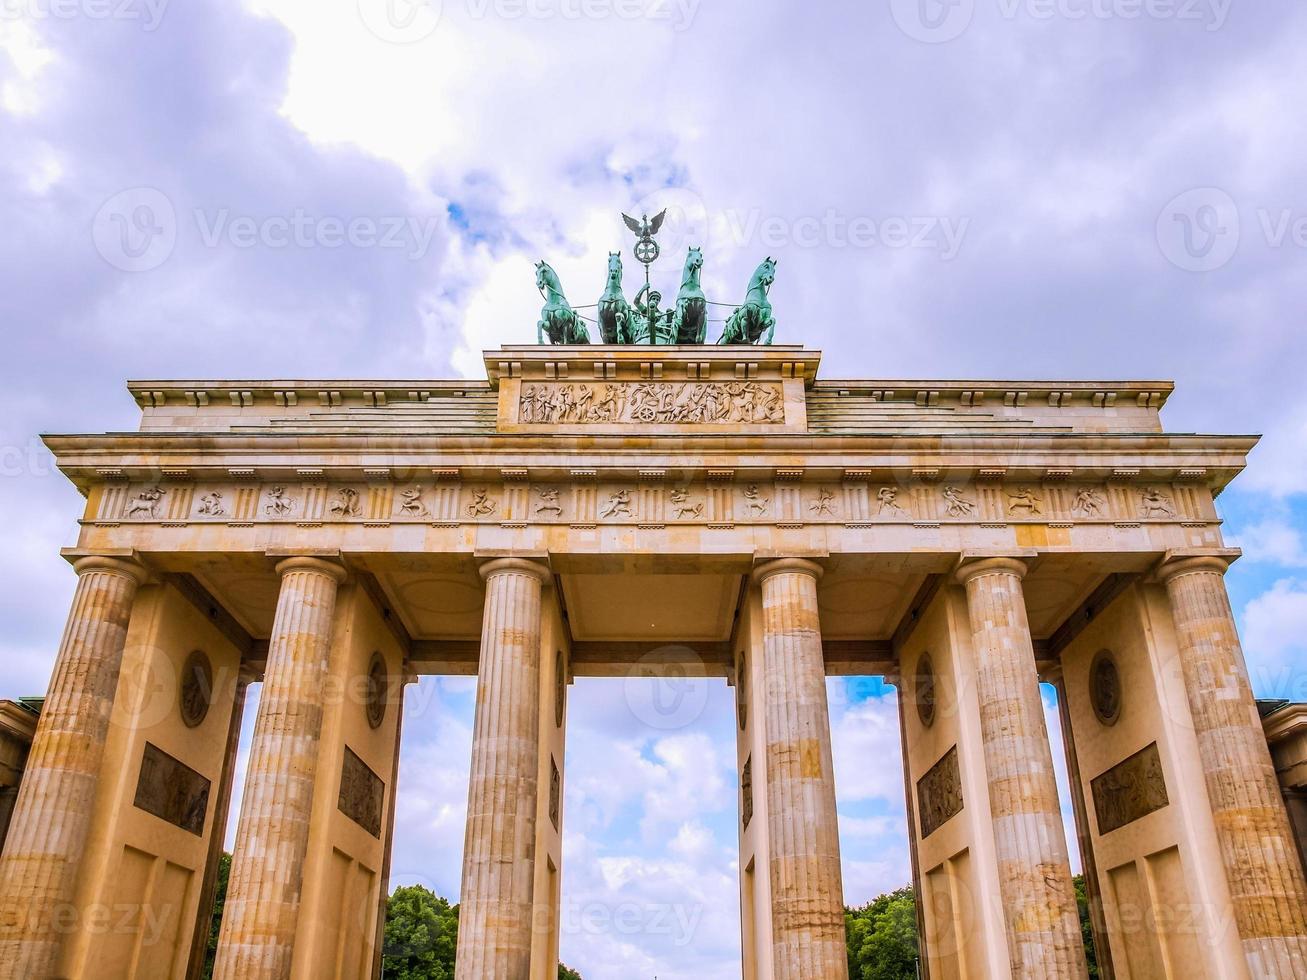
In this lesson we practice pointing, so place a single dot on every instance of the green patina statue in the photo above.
(644, 321)
(690, 325)
(753, 323)
(652, 325)
(558, 321)
(616, 318)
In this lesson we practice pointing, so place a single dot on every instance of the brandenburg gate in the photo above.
(594, 510)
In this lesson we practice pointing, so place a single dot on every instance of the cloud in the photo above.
(868, 752)
(1275, 540)
(1275, 640)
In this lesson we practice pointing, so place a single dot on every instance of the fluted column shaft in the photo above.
(802, 831)
(494, 925)
(267, 871)
(1252, 828)
(1034, 870)
(52, 817)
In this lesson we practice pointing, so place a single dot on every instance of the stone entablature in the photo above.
(664, 388)
(785, 497)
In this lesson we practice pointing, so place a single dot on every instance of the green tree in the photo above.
(1086, 929)
(421, 935)
(215, 921)
(882, 938)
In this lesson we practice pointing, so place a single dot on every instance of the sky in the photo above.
(1081, 189)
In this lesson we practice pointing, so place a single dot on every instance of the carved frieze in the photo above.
(362, 793)
(939, 793)
(1129, 790)
(652, 403)
(146, 503)
(646, 501)
(172, 791)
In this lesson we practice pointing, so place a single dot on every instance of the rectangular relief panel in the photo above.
(362, 794)
(939, 793)
(172, 791)
(1129, 790)
(652, 403)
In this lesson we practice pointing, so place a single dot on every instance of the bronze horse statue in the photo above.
(754, 323)
(690, 325)
(558, 321)
(615, 313)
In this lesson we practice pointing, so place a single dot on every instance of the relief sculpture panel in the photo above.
(939, 793)
(1129, 790)
(172, 791)
(655, 402)
(361, 794)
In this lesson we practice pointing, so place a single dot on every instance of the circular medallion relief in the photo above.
(742, 693)
(1105, 687)
(560, 689)
(196, 689)
(925, 690)
(378, 690)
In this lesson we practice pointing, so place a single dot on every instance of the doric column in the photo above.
(494, 925)
(1034, 871)
(1252, 828)
(52, 818)
(263, 894)
(802, 833)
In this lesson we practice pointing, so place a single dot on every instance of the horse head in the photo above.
(547, 279)
(693, 265)
(615, 269)
(764, 275)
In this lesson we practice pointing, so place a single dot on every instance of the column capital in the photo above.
(800, 566)
(322, 566)
(126, 567)
(974, 568)
(524, 566)
(1174, 566)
